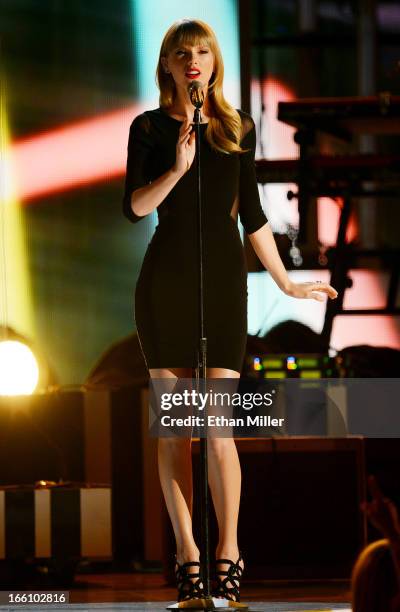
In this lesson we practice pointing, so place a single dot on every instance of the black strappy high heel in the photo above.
(188, 588)
(231, 576)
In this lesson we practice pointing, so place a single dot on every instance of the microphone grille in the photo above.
(196, 93)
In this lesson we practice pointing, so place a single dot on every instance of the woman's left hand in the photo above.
(311, 290)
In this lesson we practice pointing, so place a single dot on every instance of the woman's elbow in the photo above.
(129, 208)
(134, 203)
(257, 230)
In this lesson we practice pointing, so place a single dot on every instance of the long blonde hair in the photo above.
(224, 129)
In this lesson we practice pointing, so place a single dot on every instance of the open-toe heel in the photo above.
(228, 581)
(188, 588)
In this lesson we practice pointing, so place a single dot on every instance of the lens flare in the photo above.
(19, 371)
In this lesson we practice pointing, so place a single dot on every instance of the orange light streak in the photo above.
(83, 153)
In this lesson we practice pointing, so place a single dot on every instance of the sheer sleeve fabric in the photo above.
(251, 213)
(140, 145)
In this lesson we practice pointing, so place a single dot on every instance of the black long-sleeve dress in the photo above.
(166, 296)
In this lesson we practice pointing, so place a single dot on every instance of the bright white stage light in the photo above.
(19, 371)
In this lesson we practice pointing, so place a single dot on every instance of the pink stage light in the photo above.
(374, 330)
(278, 143)
(328, 222)
(277, 136)
(85, 152)
(369, 290)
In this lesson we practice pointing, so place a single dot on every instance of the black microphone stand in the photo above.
(201, 372)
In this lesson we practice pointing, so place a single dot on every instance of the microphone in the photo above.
(195, 89)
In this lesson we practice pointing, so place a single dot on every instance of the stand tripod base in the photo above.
(210, 603)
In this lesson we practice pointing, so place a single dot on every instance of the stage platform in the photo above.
(148, 606)
(148, 592)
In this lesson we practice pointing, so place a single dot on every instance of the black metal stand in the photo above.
(201, 371)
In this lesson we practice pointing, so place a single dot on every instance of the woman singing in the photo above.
(161, 175)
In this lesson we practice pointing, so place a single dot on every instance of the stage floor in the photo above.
(156, 606)
(149, 606)
(146, 592)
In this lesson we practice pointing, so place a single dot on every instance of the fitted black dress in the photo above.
(166, 296)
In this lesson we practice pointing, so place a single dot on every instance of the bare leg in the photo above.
(175, 470)
(224, 476)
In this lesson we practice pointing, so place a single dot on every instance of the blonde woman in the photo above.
(161, 175)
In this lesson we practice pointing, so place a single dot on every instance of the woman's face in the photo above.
(187, 64)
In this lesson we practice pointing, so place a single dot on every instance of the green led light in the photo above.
(275, 374)
(307, 362)
(272, 363)
(311, 374)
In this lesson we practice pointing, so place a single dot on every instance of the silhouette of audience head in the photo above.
(374, 581)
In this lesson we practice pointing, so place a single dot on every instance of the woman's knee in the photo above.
(222, 373)
(171, 372)
(220, 446)
(171, 444)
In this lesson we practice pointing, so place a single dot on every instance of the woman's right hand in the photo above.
(185, 148)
